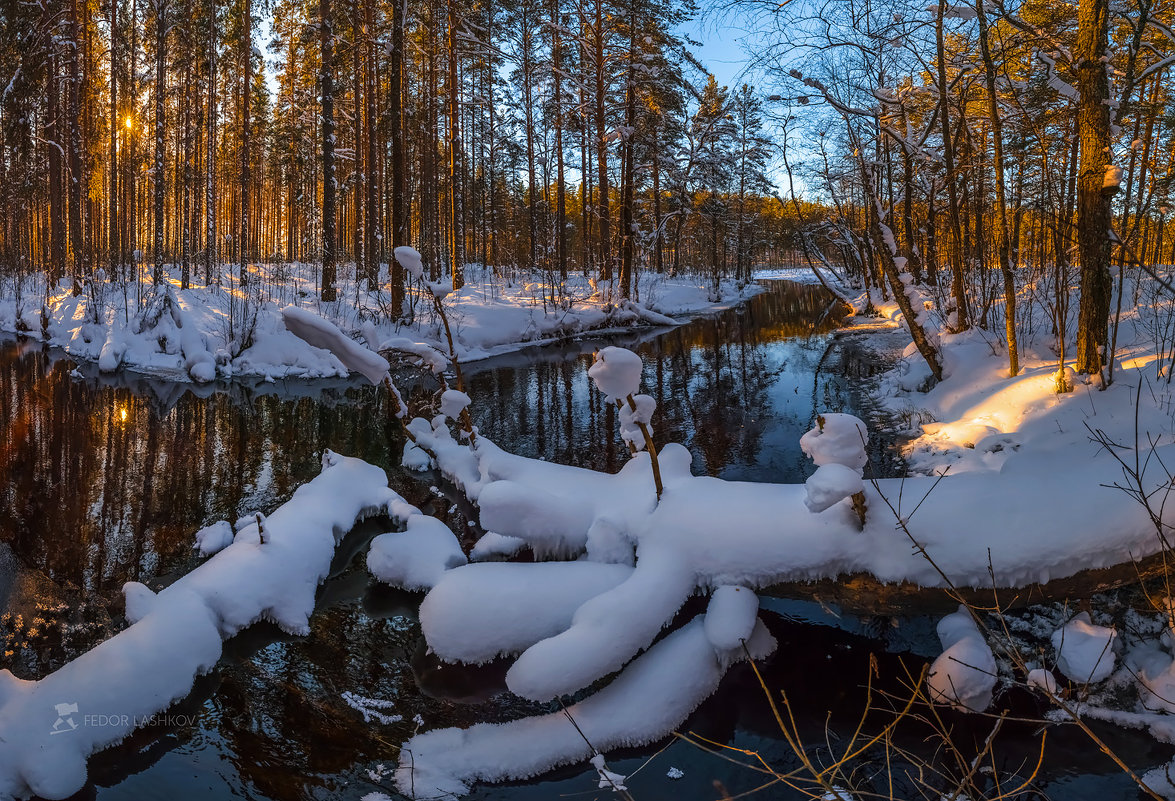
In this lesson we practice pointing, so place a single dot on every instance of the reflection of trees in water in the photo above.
(712, 380)
(283, 706)
(102, 486)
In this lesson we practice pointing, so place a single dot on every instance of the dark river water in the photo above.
(105, 480)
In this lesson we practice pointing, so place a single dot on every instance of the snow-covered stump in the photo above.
(49, 727)
(837, 446)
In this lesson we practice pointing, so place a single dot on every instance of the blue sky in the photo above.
(720, 48)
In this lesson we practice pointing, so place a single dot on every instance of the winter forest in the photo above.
(213, 136)
(636, 399)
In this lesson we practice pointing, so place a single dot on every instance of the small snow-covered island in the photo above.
(491, 401)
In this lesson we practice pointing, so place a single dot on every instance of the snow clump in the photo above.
(964, 674)
(617, 372)
(837, 446)
(631, 420)
(410, 260)
(453, 402)
(839, 439)
(1085, 652)
(213, 538)
(831, 484)
(322, 333)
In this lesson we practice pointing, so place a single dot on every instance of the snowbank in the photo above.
(222, 332)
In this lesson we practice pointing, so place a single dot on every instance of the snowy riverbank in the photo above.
(228, 331)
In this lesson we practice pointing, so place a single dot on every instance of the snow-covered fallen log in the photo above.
(654, 695)
(49, 727)
(1013, 517)
(707, 533)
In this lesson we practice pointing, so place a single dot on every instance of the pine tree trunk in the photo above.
(361, 169)
(560, 187)
(526, 40)
(210, 161)
(246, 141)
(456, 233)
(329, 292)
(658, 264)
(626, 248)
(958, 287)
(112, 240)
(371, 249)
(77, 177)
(185, 218)
(1002, 238)
(603, 202)
(1093, 207)
(159, 95)
(56, 152)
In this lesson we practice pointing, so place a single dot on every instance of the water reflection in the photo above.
(104, 483)
(725, 387)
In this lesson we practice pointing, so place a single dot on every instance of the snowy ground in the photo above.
(210, 332)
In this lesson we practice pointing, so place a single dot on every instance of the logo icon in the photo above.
(64, 722)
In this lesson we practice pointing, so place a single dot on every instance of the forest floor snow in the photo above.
(222, 331)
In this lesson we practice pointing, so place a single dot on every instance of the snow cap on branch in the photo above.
(964, 674)
(631, 419)
(1112, 182)
(837, 439)
(453, 402)
(831, 484)
(954, 11)
(617, 372)
(410, 260)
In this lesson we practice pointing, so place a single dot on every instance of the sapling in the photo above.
(837, 446)
(617, 373)
(411, 259)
